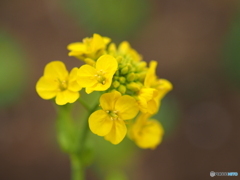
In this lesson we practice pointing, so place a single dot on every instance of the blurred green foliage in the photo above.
(112, 160)
(13, 70)
(116, 19)
(232, 52)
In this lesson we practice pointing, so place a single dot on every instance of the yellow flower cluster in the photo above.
(131, 89)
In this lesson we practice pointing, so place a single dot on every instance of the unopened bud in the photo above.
(122, 89)
(134, 86)
(122, 80)
(115, 77)
(90, 61)
(142, 76)
(124, 70)
(119, 58)
(141, 65)
(131, 77)
(116, 84)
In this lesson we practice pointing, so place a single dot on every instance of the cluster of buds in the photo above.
(132, 92)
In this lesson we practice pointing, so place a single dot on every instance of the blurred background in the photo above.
(197, 45)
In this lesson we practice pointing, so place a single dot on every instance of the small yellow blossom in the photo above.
(154, 90)
(152, 81)
(109, 121)
(98, 78)
(145, 132)
(57, 82)
(91, 48)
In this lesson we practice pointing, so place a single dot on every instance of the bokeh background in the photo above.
(197, 45)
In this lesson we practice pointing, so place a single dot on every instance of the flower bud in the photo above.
(142, 76)
(90, 61)
(116, 84)
(122, 80)
(131, 77)
(119, 59)
(115, 77)
(134, 86)
(122, 89)
(124, 70)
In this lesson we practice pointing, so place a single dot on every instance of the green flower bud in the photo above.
(141, 65)
(122, 80)
(131, 77)
(134, 86)
(142, 76)
(116, 84)
(119, 58)
(124, 70)
(122, 89)
(115, 77)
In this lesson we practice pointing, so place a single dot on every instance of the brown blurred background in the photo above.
(197, 45)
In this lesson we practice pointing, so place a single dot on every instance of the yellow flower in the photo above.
(57, 82)
(152, 81)
(98, 78)
(145, 132)
(90, 47)
(109, 122)
(147, 100)
(125, 50)
(153, 91)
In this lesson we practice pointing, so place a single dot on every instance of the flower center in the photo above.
(100, 77)
(113, 114)
(62, 85)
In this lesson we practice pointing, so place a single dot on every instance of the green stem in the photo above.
(77, 168)
(85, 128)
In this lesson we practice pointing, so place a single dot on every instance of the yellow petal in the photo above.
(106, 40)
(97, 42)
(47, 88)
(145, 96)
(147, 93)
(89, 90)
(142, 104)
(107, 64)
(112, 48)
(86, 76)
(134, 54)
(152, 107)
(108, 100)
(135, 128)
(66, 96)
(150, 135)
(72, 81)
(127, 107)
(151, 74)
(164, 87)
(124, 47)
(117, 133)
(100, 123)
(57, 70)
(77, 46)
